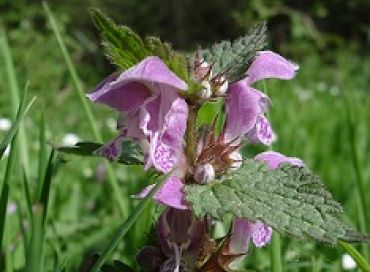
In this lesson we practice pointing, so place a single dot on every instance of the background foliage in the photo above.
(329, 39)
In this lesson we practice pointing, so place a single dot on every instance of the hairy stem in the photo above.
(191, 135)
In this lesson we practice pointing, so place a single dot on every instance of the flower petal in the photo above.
(113, 149)
(122, 97)
(152, 70)
(262, 234)
(241, 234)
(163, 119)
(131, 88)
(262, 132)
(170, 194)
(274, 159)
(268, 64)
(244, 104)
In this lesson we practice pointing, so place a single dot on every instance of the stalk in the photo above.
(191, 135)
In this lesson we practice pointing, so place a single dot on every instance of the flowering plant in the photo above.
(157, 94)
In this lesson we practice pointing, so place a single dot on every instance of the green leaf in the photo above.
(123, 47)
(290, 199)
(235, 57)
(173, 59)
(22, 110)
(131, 153)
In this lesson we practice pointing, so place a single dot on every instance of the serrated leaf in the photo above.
(131, 153)
(123, 47)
(173, 59)
(290, 199)
(235, 57)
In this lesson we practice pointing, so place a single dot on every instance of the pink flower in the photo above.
(259, 232)
(180, 237)
(246, 106)
(151, 111)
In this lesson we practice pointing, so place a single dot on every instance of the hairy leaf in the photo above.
(131, 153)
(123, 47)
(173, 59)
(290, 199)
(234, 58)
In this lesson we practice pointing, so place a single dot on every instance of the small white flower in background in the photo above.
(88, 172)
(5, 124)
(348, 263)
(334, 90)
(70, 139)
(11, 208)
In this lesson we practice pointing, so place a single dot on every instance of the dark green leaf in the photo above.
(123, 47)
(131, 153)
(22, 110)
(290, 199)
(45, 190)
(5, 190)
(235, 57)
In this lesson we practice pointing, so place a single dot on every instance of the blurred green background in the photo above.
(322, 116)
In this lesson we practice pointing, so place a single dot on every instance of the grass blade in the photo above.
(15, 97)
(359, 171)
(27, 195)
(22, 110)
(359, 259)
(42, 153)
(276, 263)
(121, 201)
(36, 250)
(45, 190)
(125, 227)
(5, 189)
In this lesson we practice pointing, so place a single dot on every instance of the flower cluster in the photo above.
(153, 111)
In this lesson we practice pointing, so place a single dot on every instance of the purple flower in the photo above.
(151, 111)
(246, 106)
(274, 159)
(180, 236)
(170, 194)
(259, 232)
(243, 231)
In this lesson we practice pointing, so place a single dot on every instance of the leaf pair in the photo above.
(125, 49)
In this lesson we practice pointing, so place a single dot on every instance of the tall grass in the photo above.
(116, 190)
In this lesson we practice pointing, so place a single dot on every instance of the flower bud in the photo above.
(220, 86)
(206, 91)
(203, 71)
(238, 160)
(204, 173)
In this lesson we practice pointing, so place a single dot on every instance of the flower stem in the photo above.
(191, 135)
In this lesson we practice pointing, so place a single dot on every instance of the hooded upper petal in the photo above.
(274, 159)
(243, 106)
(268, 64)
(241, 234)
(170, 194)
(127, 91)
